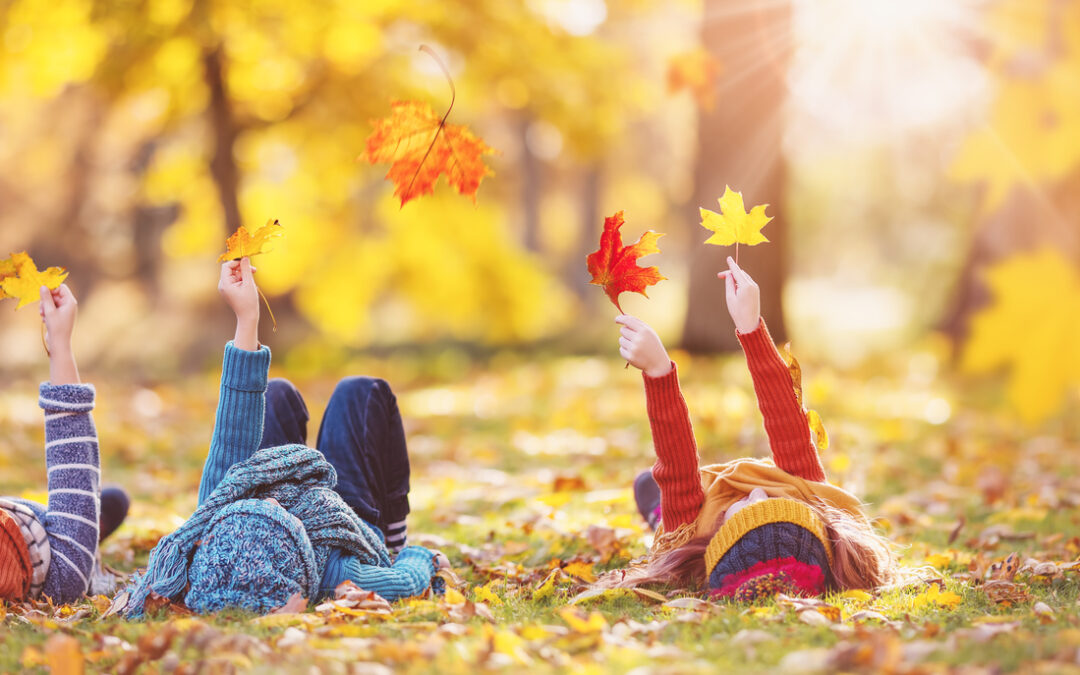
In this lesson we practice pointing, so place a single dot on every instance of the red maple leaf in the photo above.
(419, 146)
(615, 267)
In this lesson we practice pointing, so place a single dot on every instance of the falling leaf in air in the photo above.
(615, 267)
(695, 70)
(28, 280)
(733, 225)
(420, 147)
(244, 243)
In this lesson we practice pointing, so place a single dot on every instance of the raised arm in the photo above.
(785, 420)
(676, 467)
(238, 424)
(72, 461)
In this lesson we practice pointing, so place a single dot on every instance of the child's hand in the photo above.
(641, 346)
(743, 298)
(237, 286)
(58, 309)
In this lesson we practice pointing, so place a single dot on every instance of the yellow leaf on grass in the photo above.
(581, 570)
(579, 623)
(454, 597)
(734, 224)
(547, 586)
(935, 596)
(244, 243)
(26, 285)
(856, 594)
(485, 594)
(939, 560)
(1034, 335)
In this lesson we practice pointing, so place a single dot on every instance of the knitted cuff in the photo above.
(758, 344)
(66, 397)
(663, 393)
(243, 370)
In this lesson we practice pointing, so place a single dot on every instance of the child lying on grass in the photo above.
(53, 551)
(269, 523)
(748, 528)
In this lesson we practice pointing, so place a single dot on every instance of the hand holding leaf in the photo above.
(21, 279)
(243, 243)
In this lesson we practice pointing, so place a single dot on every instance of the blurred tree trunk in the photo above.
(592, 223)
(223, 126)
(739, 144)
(531, 173)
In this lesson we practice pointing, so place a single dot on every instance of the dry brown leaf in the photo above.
(294, 605)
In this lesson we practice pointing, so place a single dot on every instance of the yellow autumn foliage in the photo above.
(1032, 329)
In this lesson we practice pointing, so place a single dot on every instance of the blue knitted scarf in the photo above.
(302, 481)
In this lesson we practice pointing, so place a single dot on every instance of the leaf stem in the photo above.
(44, 343)
(442, 123)
(267, 303)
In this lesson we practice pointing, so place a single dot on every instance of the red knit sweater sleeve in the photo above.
(785, 419)
(676, 468)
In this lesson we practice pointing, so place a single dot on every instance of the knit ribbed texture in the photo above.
(254, 556)
(764, 513)
(676, 467)
(410, 574)
(35, 540)
(74, 483)
(15, 567)
(785, 420)
(766, 546)
(238, 425)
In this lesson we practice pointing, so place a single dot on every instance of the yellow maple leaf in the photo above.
(28, 280)
(1033, 334)
(454, 597)
(244, 243)
(7, 269)
(579, 623)
(821, 437)
(734, 225)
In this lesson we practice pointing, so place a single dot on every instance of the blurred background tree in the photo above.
(905, 149)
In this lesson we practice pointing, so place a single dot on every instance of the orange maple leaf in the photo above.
(696, 71)
(25, 285)
(419, 146)
(615, 267)
(243, 243)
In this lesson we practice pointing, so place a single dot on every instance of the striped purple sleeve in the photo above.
(74, 478)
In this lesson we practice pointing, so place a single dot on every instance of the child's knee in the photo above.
(362, 387)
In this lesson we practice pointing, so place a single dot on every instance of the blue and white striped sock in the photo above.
(396, 536)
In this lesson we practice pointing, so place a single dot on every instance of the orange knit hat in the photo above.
(15, 567)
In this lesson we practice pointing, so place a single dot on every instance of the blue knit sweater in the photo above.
(74, 483)
(238, 429)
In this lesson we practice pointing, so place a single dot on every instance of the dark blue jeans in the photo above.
(360, 435)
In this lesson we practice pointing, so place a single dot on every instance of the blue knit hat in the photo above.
(254, 556)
